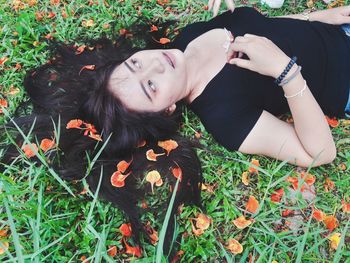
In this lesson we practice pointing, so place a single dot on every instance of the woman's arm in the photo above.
(310, 137)
(335, 16)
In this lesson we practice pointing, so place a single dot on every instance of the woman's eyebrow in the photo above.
(142, 86)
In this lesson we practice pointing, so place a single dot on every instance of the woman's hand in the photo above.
(264, 56)
(215, 4)
(335, 16)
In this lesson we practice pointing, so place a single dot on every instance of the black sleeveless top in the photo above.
(234, 99)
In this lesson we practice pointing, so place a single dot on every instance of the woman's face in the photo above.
(150, 80)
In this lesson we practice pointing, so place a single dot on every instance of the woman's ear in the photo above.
(170, 109)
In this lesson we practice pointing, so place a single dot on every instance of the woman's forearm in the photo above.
(309, 121)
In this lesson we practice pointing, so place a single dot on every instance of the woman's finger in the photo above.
(242, 63)
(230, 4)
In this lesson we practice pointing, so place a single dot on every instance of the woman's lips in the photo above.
(170, 58)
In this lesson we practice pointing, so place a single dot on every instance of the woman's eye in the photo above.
(151, 85)
(135, 62)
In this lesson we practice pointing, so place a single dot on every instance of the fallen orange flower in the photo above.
(3, 60)
(118, 179)
(318, 215)
(51, 15)
(125, 229)
(177, 172)
(164, 40)
(87, 67)
(252, 204)
(308, 178)
(112, 251)
(76, 123)
(80, 50)
(346, 207)
(28, 150)
(331, 222)
(135, 251)
(241, 222)
(151, 156)
(335, 240)
(168, 145)
(47, 144)
(153, 28)
(253, 169)
(202, 221)
(3, 103)
(295, 183)
(153, 177)
(287, 212)
(332, 122)
(234, 246)
(4, 246)
(245, 178)
(152, 233)
(122, 166)
(277, 196)
(329, 185)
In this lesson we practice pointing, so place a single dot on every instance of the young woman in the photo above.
(129, 97)
(237, 105)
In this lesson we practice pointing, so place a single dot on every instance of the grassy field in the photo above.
(41, 221)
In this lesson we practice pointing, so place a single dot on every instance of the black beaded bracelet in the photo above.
(286, 70)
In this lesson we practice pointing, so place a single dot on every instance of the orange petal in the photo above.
(80, 50)
(76, 123)
(51, 15)
(3, 233)
(87, 67)
(346, 207)
(308, 178)
(3, 103)
(202, 221)
(159, 182)
(252, 204)
(112, 251)
(28, 151)
(125, 229)
(117, 179)
(329, 185)
(153, 28)
(177, 172)
(135, 251)
(47, 144)
(197, 232)
(152, 233)
(168, 145)
(331, 222)
(287, 212)
(96, 136)
(151, 156)
(164, 40)
(3, 60)
(234, 246)
(152, 177)
(253, 169)
(334, 240)
(318, 215)
(245, 178)
(241, 222)
(332, 122)
(3, 247)
(122, 166)
(277, 196)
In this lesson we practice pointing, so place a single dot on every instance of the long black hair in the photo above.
(73, 85)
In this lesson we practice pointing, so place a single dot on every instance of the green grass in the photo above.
(49, 221)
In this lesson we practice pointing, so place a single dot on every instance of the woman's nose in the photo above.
(156, 65)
